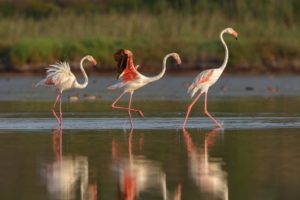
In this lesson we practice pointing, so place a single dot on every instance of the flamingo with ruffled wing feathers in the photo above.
(60, 77)
(132, 80)
(206, 79)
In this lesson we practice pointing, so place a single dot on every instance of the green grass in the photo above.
(264, 45)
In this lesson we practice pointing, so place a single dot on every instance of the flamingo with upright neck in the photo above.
(207, 78)
(61, 78)
(132, 80)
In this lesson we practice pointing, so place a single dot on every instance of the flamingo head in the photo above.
(121, 57)
(232, 32)
(91, 59)
(128, 52)
(177, 58)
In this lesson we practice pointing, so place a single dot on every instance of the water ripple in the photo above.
(240, 122)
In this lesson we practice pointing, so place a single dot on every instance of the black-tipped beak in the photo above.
(94, 62)
(236, 38)
(178, 61)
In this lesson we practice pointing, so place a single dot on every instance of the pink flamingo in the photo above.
(132, 79)
(61, 78)
(206, 79)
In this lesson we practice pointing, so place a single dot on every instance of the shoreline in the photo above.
(172, 72)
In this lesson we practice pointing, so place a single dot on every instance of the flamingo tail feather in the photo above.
(116, 86)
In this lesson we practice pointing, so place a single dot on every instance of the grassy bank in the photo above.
(28, 44)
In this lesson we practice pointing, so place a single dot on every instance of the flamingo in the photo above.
(132, 79)
(206, 79)
(61, 78)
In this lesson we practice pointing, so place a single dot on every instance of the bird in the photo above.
(207, 78)
(60, 77)
(91, 97)
(74, 98)
(130, 79)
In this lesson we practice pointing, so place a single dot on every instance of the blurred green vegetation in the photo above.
(37, 33)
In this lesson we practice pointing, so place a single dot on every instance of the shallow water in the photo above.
(256, 156)
(150, 123)
(207, 164)
(168, 88)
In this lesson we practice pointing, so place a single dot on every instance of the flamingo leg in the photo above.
(129, 108)
(124, 108)
(207, 113)
(60, 112)
(189, 109)
(54, 105)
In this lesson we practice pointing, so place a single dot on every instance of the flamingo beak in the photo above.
(235, 35)
(178, 60)
(94, 62)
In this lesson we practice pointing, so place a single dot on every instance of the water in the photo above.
(206, 164)
(170, 87)
(256, 156)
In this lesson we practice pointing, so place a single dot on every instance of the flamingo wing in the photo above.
(204, 76)
(202, 79)
(121, 59)
(125, 69)
(129, 73)
(58, 75)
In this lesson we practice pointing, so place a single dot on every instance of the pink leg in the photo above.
(54, 105)
(207, 113)
(129, 108)
(189, 109)
(60, 112)
(123, 108)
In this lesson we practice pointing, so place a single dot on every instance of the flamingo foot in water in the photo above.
(60, 120)
(56, 117)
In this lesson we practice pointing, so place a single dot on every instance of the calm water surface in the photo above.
(106, 164)
(256, 156)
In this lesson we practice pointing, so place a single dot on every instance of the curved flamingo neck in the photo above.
(86, 79)
(222, 67)
(163, 71)
(130, 61)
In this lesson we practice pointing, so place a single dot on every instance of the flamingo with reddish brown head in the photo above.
(132, 80)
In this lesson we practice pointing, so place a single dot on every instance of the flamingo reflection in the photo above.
(208, 175)
(137, 174)
(68, 176)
